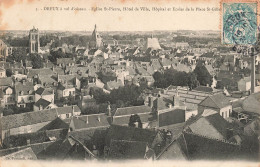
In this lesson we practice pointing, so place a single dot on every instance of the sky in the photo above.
(24, 14)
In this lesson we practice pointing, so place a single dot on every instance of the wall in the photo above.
(25, 98)
(226, 111)
(25, 129)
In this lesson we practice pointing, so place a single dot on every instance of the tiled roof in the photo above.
(26, 87)
(90, 121)
(42, 102)
(251, 103)
(65, 61)
(132, 110)
(116, 132)
(30, 118)
(8, 81)
(215, 101)
(44, 91)
(203, 148)
(25, 154)
(172, 152)
(55, 124)
(123, 149)
(211, 125)
(42, 71)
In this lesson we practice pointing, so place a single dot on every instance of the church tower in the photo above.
(34, 41)
(96, 40)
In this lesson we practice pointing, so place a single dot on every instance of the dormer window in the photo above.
(21, 93)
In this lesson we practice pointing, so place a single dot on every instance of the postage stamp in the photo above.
(239, 23)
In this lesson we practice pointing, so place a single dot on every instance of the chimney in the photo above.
(28, 141)
(176, 100)
(73, 110)
(40, 107)
(170, 105)
(23, 81)
(87, 120)
(109, 110)
(99, 119)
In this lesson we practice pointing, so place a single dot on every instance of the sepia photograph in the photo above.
(129, 82)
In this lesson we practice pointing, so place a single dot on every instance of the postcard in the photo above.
(129, 82)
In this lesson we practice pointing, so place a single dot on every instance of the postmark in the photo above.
(239, 23)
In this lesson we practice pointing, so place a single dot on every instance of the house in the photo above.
(35, 73)
(88, 122)
(244, 84)
(69, 80)
(212, 125)
(86, 102)
(43, 104)
(122, 115)
(115, 132)
(199, 147)
(251, 103)
(8, 97)
(44, 93)
(172, 151)
(24, 93)
(5, 82)
(47, 81)
(62, 62)
(217, 102)
(123, 149)
(170, 116)
(110, 85)
(2, 73)
(33, 121)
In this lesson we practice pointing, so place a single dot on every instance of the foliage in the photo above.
(176, 78)
(18, 55)
(90, 110)
(128, 95)
(59, 54)
(15, 110)
(203, 75)
(105, 77)
(37, 60)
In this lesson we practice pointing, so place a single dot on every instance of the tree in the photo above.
(37, 61)
(135, 119)
(203, 76)
(192, 80)
(18, 55)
